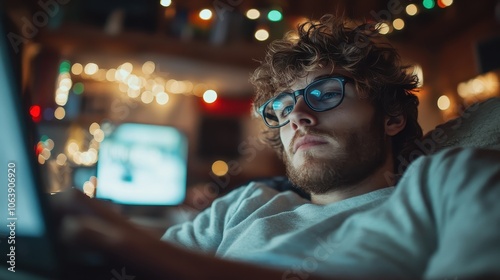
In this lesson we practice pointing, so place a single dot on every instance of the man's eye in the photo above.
(286, 111)
(327, 96)
(319, 94)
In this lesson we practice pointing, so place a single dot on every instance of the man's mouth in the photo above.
(308, 141)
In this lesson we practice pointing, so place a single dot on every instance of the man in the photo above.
(365, 117)
(339, 110)
(325, 100)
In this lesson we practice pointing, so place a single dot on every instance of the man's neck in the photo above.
(378, 180)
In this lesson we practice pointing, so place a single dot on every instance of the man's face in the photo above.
(333, 149)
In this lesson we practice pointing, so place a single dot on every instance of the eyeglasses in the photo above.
(321, 95)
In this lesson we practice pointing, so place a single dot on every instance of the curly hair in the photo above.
(330, 42)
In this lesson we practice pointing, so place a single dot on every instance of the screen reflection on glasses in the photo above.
(321, 95)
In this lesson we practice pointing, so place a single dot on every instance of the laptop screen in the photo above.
(22, 209)
(24, 241)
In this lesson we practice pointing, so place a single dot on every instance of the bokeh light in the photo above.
(64, 67)
(261, 34)
(162, 98)
(166, 3)
(61, 159)
(411, 9)
(77, 69)
(210, 96)
(444, 3)
(94, 127)
(35, 111)
(253, 14)
(148, 67)
(78, 88)
(59, 113)
(220, 168)
(428, 4)
(205, 14)
(147, 97)
(274, 15)
(443, 102)
(383, 28)
(91, 68)
(398, 24)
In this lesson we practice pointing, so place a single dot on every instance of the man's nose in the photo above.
(302, 115)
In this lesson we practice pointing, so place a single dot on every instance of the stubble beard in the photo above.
(359, 155)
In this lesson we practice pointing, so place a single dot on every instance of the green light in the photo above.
(274, 15)
(64, 67)
(78, 88)
(428, 4)
(44, 138)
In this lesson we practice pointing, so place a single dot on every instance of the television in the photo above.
(143, 164)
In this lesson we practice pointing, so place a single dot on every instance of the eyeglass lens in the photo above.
(320, 96)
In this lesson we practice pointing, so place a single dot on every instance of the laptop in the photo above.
(29, 247)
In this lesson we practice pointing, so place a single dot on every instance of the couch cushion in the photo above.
(478, 126)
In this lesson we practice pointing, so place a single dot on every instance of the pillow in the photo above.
(478, 126)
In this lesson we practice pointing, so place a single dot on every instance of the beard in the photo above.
(359, 155)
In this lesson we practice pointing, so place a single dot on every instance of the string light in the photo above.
(210, 96)
(220, 168)
(428, 4)
(78, 88)
(261, 34)
(147, 97)
(165, 3)
(61, 159)
(59, 113)
(274, 15)
(253, 14)
(110, 75)
(146, 85)
(205, 14)
(398, 24)
(35, 112)
(444, 3)
(64, 67)
(383, 28)
(162, 98)
(148, 67)
(90, 68)
(487, 85)
(94, 127)
(77, 69)
(89, 188)
(443, 102)
(411, 9)
(99, 135)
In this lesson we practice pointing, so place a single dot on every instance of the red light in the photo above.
(35, 112)
(228, 107)
(39, 148)
(444, 3)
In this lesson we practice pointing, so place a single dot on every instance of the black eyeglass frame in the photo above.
(343, 80)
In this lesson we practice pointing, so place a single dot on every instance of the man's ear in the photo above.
(393, 125)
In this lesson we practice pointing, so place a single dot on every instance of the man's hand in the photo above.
(90, 223)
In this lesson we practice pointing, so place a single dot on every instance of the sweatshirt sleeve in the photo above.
(442, 222)
(465, 195)
(206, 231)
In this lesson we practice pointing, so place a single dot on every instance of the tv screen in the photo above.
(143, 164)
